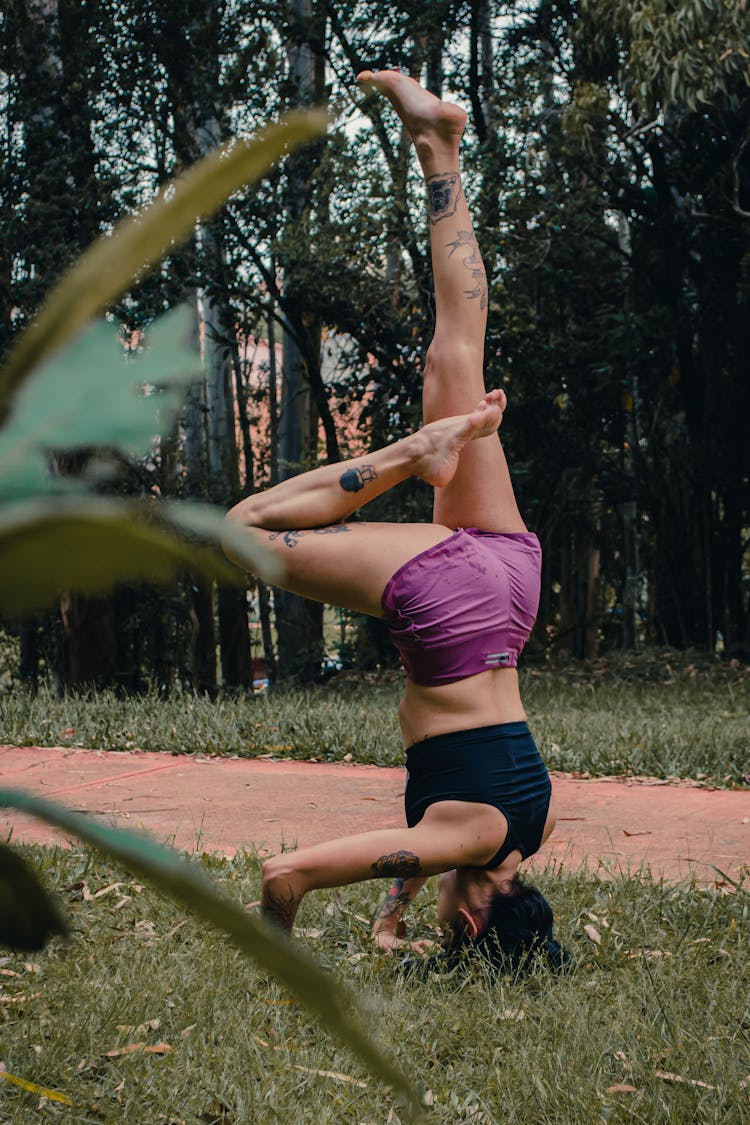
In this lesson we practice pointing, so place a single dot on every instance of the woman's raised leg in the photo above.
(480, 494)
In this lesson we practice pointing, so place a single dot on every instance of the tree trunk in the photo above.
(223, 467)
(630, 515)
(197, 98)
(62, 217)
(202, 646)
(299, 622)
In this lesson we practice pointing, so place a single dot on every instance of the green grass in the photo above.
(660, 995)
(661, 715)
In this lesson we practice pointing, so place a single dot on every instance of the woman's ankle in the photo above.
(436, 156)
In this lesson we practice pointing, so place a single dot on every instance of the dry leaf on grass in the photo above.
(107, 890)
(331, 1074)
(592, 934)
(144, 1048)
(622, 1088)
(140, 1029)
(20, 999)
(667, 1076)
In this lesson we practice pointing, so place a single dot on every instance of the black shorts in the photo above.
(499, 766)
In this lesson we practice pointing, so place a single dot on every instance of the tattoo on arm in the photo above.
(395, 901)
(292, 538)
(353, 480)
(443, 194)
(280, 909)
(474, 265)
(402, 864)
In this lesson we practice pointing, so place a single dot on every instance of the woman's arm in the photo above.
(388, 929)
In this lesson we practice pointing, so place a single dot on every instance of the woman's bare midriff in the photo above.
(479, 701)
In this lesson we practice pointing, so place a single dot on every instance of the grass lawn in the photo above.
(145, 1017)
(653, 1024)
(663, 714)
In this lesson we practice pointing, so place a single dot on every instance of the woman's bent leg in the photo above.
(480, 494)
(451, 834)
(349, 564)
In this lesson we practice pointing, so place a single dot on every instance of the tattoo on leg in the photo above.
(474, 265)
(443, 194)
(403, 864)
(355, 479)
(280, 909)
(292, 538)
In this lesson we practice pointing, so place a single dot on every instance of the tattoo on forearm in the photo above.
(474, 265)
(280, 909)
(353, 480)
(394, 903)
(443, 194)
(403, 864)
(292, 538)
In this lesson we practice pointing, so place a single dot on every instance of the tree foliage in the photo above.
(607, 164)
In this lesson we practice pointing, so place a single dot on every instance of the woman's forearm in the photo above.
(398, 898)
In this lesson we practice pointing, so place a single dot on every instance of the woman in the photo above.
(460, 596)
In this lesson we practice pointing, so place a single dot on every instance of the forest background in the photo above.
(608, 165)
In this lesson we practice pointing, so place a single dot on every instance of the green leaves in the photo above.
(84, 544)
(91, 394)
(185, 884)
(28, 915)
(693, 54)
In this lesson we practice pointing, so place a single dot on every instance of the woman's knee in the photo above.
(448, 357)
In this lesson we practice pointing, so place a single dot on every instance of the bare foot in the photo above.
(421, 112)
(445, 439)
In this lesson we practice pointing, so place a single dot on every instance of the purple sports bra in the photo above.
(464, 605)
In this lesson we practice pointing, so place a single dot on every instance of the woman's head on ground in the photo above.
(506, 922)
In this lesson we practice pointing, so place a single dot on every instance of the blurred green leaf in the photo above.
(270, 947)
(138, 242)
(29, 916)
(88, 544)
(91, 393)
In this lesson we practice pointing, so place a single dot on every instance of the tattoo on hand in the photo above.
(280, 909)
(353, 480)
(292, 538)
(403, 864)
(443, 194)
(473, 263)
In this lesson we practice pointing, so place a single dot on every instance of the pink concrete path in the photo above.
(678, 830)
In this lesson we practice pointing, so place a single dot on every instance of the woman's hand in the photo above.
(388, 941)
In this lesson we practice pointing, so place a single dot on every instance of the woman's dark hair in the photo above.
(518, 928)
(519, 925)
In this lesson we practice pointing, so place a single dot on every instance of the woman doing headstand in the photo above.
(460, 596)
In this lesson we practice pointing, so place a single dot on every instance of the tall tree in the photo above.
(188, 43)
(299, 623)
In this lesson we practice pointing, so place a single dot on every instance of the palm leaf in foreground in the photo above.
(185, 884)
(87, 544)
